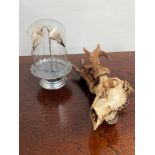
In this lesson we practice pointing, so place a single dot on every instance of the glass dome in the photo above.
(48, 48)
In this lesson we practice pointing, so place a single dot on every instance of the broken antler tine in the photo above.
(98, 46)
(131, 88)
(97, 49)
(76, 68)
(82, 62)
(86, 51)
(104, 54)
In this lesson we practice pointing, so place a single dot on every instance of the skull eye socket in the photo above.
(93, 115)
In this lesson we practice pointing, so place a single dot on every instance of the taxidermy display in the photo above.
(111, 92)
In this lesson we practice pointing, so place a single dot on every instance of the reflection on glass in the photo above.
(49, 53)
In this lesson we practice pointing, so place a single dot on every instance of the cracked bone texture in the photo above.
(111, 92)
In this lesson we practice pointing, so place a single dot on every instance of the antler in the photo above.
(111, 93)
(90, 72)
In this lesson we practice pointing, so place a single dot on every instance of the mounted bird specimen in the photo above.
(111, 92)
(38, 34)
(54, 35)
(36, 38)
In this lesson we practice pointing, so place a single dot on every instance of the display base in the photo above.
(53, 84)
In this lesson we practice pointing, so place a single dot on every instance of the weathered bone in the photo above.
(111, 93)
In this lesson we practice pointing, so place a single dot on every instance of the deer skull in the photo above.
(111, 93)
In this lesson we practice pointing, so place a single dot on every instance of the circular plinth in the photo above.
(53, 84)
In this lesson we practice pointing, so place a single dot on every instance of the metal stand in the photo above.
(53, 84)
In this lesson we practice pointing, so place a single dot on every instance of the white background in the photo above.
(145, 75)
(88, 22)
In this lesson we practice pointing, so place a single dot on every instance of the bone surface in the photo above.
(111, 92)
